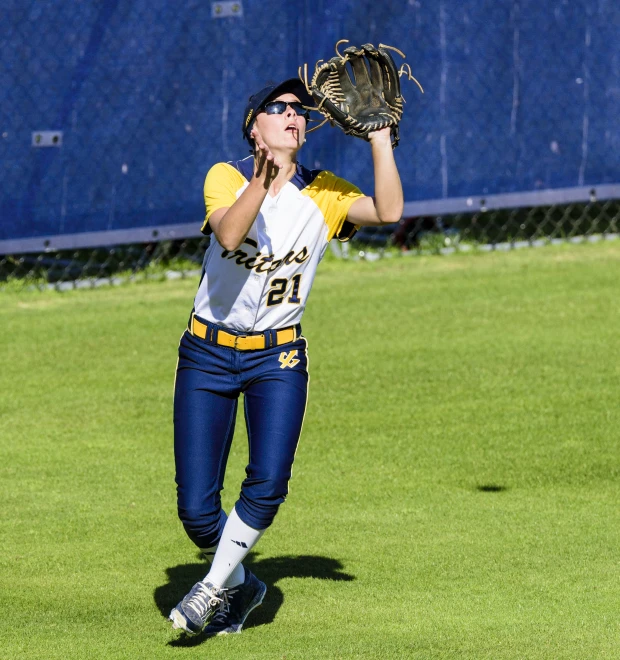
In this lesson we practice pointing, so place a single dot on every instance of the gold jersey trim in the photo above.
(222, 183)
(334, 197)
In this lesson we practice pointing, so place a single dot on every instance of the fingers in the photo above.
(266, 155)
(262, 152)
(258, 140)
(266, 165)
(260, 145)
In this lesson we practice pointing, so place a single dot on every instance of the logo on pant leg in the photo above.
(288, 359)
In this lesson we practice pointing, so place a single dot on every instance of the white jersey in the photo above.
(265, 283)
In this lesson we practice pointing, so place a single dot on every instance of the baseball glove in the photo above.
(366, 101)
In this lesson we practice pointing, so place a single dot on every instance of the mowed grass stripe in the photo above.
(454, 494)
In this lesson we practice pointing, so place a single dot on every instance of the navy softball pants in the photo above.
(209, 379)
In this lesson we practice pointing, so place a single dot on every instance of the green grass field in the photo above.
(455, 493)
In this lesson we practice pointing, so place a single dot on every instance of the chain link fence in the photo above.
(483, 230)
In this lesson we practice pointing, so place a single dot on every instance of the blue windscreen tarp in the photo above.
(519, 96)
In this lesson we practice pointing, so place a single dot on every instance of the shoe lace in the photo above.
(224, 607)
(205, 598)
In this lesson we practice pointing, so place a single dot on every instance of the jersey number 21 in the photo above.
(278, 289)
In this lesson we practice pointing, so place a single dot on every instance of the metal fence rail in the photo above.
(168, 254)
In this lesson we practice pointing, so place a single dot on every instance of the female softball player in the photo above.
(270, 221)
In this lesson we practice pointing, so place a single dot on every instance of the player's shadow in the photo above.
(270, 570)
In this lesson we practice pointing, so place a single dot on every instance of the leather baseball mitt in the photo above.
(359, 90)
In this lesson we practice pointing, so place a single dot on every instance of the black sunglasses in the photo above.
(279, 108)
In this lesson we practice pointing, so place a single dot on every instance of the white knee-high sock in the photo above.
(236, 541)
(236, 577)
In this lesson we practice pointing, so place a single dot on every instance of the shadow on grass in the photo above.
(491, 488)
(270, 570)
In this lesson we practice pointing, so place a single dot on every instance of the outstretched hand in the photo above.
(266, 165)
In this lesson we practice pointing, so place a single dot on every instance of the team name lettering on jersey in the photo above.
(266, 263)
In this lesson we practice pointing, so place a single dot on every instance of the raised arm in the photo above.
(231, 224)
(387, 205)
